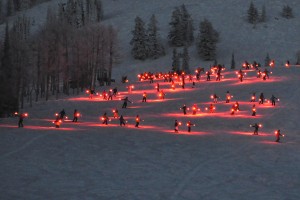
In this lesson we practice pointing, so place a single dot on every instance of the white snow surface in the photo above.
(219, 159)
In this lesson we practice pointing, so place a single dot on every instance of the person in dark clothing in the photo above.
(62, 114)
(21, 119)
(256, 126)
(157, 87)
(76, 115)
(176, 125)
(228, 97)
(105, 119)
(253, 110)
(126, 100)
(215, 98)
(273, 99)
(137, 121)
(144, 97)
(122, 120)
(208, 76)
(184, 109)
(189, 124)
(261, 98)
(241, 75)
(115, 90)
(116, 113)
(278, 134)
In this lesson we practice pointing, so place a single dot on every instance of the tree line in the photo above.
(70, 53)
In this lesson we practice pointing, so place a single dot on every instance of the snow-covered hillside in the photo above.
(219, 159)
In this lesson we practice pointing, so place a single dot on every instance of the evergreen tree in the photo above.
(207, 40)
(267, 60)
(155, 48)
(138, 42)
(185, 60)
(232, 66)
(252, 14)
(187, 27)
(175, 61)
(263, 14)
(175, 35)
(287, 12)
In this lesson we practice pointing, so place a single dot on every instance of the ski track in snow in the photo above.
(24, 146)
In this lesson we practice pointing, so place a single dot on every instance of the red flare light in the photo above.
(26, 114)
(260, 125)
(78, 114)
(179, 123)
(87, 91)
(56, 114)
(16, 113)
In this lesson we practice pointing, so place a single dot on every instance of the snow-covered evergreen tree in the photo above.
(287, 12)
(175, 60)
(252, 14)
(187, 27)
(267, 60)
(182, 29)
(207, 40)
(185, 60)
(175, 35)
(155, 48)
(232, 65)
(138, 42)
(263, 14)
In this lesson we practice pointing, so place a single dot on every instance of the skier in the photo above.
(116, 113)
(21, 118)
(208, 75)
(194, 108)
(162, 94)
(76, 115)
(137, 121)
(157, 87)
(115, 91)
(122, 120)
(228, 97)
(215, 98)
(183, 109)
(62, 114)
(253, 98)
(211, 108)
(278, 134)
(218, 75)
(261, 98)
(105, 119)
(104, 95)
(176, 125)
(266, 74)
(237, 106)
(189, 124)
(144, 97)
(241, 75)
(126, 100)
(253, 110)
(57, 122)
(256, 126)
(92, 92)
(259, 74)
(232, 109)
(273, 99)
(110, 95)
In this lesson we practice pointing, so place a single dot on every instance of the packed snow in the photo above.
(218, 159)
